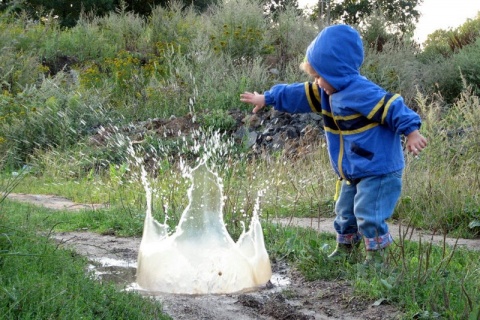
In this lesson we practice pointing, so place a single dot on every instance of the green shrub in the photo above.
(18, 70)
(396, 69)
(127, 30)
(237, 28)
(288, 38)
(84, 43)
(52, 116)
(173, 26)
(218, 119)
(468, 62)
(441, 187)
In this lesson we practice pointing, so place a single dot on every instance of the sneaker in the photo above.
(376, 257)
(343, 251)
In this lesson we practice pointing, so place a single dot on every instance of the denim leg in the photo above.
(374, 203)
(345, 223)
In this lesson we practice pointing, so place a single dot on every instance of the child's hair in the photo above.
(308, 69)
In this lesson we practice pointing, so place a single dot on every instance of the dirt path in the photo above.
(398, 232)
(319, 224)
(288, 296)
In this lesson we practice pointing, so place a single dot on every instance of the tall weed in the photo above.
(125, 29)
(173, 26)
(18, 70)
(396, 69)
(289, 38)
(442, 186)
(51, 116)
(237, 28)
(85, 42)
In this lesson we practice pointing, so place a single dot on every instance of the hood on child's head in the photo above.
(336, 54)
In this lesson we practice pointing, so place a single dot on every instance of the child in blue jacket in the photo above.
(363, 126)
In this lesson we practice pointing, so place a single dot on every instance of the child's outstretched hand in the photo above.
(416, 142)
(258, 100)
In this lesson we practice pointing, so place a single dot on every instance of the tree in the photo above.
(201, 5)
(402, 14)
(68, 11)
(274, 7)
(448, 42)
(144, 7)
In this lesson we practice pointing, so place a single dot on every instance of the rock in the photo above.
(267, 130)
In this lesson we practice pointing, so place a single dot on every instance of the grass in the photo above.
(425, 281)
(40, 281)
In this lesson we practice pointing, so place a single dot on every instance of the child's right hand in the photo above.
(258, 100)
(416, 142)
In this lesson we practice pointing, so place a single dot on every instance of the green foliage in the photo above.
(396, 69)
(218, 119)
(427, 279)
(8, 184)
(18, 70)
(453, 53)
(290, 35)
(436, 46)
(375, 32)
(173, 26)
(145, 8)
(126, 74)
(68, 12)
(447, 42)
(72, 99)
(123, 30)
(274, 8)
(47, 117)
(435, 82)
(306, 249)
(443, 196)
(237, 28)
(71, 43)
(135, 69)
(468, 62)
(401, 14)
(42, 282)
(420, 277)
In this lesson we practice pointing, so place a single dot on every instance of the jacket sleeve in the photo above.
(379, 105)
(294, 98)
(395, 114)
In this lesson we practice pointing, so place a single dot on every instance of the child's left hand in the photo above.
(416, 142)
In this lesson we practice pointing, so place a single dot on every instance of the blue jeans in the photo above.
(363, 207)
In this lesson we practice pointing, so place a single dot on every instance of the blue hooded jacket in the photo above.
(363, 122)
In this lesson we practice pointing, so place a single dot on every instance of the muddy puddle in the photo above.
(120, 272)
(123, 274)
(287, 296)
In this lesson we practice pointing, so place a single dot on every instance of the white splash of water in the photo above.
(200, 257)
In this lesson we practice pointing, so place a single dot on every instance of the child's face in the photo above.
(319, 81)
(322, 83)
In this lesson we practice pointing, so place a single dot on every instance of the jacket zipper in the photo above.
(340, 154)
